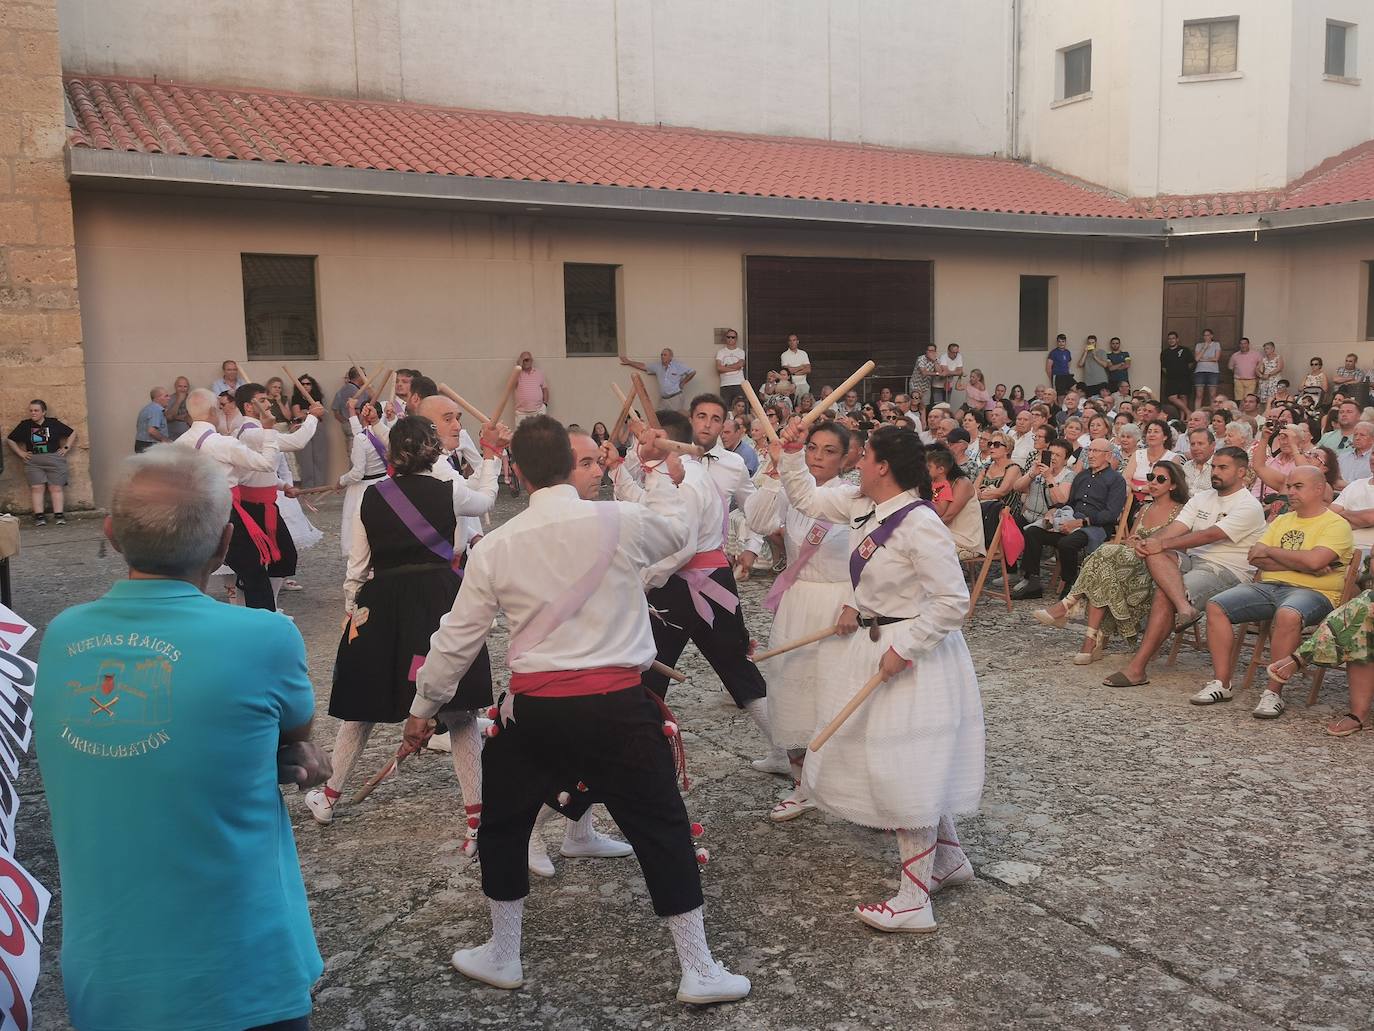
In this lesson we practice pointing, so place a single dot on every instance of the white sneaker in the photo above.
(1270, 706)
(1212, 692)
(961, 874)
(718, 986)
(320, 805)
(920, 920)
(440, 742)
(775, 762)
(539, 862)
(596, 846)
(477, 964)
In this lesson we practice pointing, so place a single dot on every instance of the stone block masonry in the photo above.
(40, 318)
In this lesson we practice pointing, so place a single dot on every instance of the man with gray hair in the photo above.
(147, 737)
(1355, 461)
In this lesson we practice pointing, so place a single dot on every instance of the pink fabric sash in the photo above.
(815, 537)
(701, 587)
(558, 611)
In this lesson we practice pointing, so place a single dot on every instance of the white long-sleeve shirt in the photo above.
(364, 461)
(530, 562)
(915, 575)
(470, 525)
(250, 433)
(239, 460)
(700, 506)
(768, 509)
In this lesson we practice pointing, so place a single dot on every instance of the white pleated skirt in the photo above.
(910, 754)
(348, 518)
(304, 533)
(795, 679)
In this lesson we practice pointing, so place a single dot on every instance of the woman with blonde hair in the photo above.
(995, 487)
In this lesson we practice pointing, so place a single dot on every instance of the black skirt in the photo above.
(396, 612)
(243, 553)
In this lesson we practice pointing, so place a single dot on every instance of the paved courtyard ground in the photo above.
(1141, 863)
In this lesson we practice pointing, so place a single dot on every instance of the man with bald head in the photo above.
(531, 390)
(1302, 559)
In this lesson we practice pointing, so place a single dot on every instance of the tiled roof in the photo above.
(259, 125)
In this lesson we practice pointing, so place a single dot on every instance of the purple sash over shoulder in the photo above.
(416, 523)
(204, 437)
(376, 445)
(869, 546)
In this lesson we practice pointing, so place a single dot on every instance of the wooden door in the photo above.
(1206, 302)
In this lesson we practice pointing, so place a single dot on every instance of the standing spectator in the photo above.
(1177, 364)
(277, 403)
(1244, 366)
(43, 444)
(1350, 380)
(978, 397)
(353, 382)
(730, 364)
(152, 420)
(313, 459)
(1118, 365)
(1301, 558)
(1091, 369)
(199, 918)
(178, 419)
(531, 390)
(1270, 371)
(1207, 372)
(923, 377)
(1059, 366)
(798, 363)
(229, 379)
(672, 377)
(951, 375)
(1096, 498)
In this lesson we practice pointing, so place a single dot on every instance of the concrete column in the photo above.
(40, 320)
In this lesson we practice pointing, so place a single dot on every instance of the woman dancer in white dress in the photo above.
(368, 465)
(910, 758)
(813, 593)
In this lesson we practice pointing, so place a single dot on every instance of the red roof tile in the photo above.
(257, 125)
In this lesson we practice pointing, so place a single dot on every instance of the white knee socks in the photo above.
(576, 831)
(918, 857)
(466, 743)
(758, 712)
(506, 918)
(949, 854)
(276, 582)
(689, 937)
(348, 745)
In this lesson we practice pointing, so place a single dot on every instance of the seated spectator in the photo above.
(199, 917)
(1115, 583)
(1023, 438)
(1202, 552)
(952, 496)
(1096, 500)
(732, 435)
(230, 378)
(1239, 434)
(1154, 448)
(151, 427)
(1355, 462)
(1325, 460)
(1126, 438)
(1355, 504)
(1045, 485)
(959, 443)
(1274, 458)
(1198, 469)
(1302, 558)
(995, 486)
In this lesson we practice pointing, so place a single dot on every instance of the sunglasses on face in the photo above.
(996, 443)
(1159, 478)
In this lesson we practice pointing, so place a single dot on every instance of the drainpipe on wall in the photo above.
(1014, 74)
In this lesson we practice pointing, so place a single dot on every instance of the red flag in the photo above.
(1013, 540)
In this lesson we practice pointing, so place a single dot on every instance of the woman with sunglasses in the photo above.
(313, 459)
(1114, 582)
(1153, 449)
(1316, 383)
(995, 487)
(1325, 459)
(813, 593)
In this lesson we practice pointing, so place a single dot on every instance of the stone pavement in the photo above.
(1142, 863)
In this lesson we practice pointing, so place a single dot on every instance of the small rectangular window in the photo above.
(1035, 313)
(589, 309)
(280, 316)
(1335, 48)
(1209, 47)
(1078, 71)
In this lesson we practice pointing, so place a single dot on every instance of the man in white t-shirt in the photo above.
(951, 365)
(798, 363)
(730, 365)
(1203, 552)
(1024, 435)
(1355, 463)
(1355, 505)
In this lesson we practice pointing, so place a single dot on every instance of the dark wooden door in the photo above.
(844, 310)
(1206, 302)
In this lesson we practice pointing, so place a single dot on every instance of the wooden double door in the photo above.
(1195, 303)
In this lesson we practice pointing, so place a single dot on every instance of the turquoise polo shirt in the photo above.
(157, 716)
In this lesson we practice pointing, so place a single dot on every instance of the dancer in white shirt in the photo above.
(367, 464)
(568, 574)
(813, 593)
(910, 758)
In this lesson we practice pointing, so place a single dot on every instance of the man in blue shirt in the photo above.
(672, 376)
(732, 436)
(1059, 366)
(164, 721)
(152, 420)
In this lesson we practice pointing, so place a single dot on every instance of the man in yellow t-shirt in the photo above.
(1302, 560)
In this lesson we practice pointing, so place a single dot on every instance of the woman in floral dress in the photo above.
(1270, 372)
(1114, 582)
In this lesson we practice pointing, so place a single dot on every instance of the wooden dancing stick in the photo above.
(668, 671)
(358, 365)
(643, 395)
(873, 683)
(626, 402)
(837, 394)
(463, 403)
(367, 383)
(328, 488)
(304, 393)
(759, 411)
(505, 397)
(665, 443)
(381, 775)
(819, 635)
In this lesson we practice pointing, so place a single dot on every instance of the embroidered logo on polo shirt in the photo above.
(121, 710)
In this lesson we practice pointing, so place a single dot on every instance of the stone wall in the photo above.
(40, 320)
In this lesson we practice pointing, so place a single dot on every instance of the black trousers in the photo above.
(613, 743)
(724, 644)
(254, 578)
(1069, 546)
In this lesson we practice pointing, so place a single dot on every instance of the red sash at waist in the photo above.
(574, 683)
(258, 495)
(264, 537)
(707, 560)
